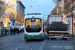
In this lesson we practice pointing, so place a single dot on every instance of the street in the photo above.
(21, 20)
(17, 42)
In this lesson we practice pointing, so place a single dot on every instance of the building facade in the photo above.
(10, 11)
(20, 12)
(2, 12)
(57, 9)
(67, 9)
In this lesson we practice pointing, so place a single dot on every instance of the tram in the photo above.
(34, 26)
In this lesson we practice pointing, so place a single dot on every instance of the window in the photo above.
(33, 25)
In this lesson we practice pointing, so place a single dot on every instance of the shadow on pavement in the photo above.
(33, 40)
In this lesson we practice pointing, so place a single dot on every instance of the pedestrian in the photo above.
(11, 31)
(21, 31)
(14, 31)
(17, 31)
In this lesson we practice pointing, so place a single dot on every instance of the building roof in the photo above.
(21, 3)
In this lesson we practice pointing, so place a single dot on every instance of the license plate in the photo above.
(57, 35)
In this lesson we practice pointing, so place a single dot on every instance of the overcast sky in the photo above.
(42, 6)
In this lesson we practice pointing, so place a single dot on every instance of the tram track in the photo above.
(27, 42)
(21, 45)
(38, 46)
(33, 45)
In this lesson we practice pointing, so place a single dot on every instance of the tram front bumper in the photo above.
(33, 36)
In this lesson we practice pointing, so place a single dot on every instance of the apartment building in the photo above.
(57, 9)
(9, 11)
(20, 12)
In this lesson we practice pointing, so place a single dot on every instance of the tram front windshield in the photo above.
(33, 25)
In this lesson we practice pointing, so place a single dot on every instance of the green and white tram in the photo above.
(34, 26)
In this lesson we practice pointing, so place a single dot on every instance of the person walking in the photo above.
(17, 31)
(12, 30)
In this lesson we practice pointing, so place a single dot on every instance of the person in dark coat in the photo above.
(14, 30)
(17, 31)
(11, 30)
(21, 31)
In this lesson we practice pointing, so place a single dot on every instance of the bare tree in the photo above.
(69, 6)
(20, 17)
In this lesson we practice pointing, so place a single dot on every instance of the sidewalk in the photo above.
(9, 34)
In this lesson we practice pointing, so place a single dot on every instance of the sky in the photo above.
(39, 6)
